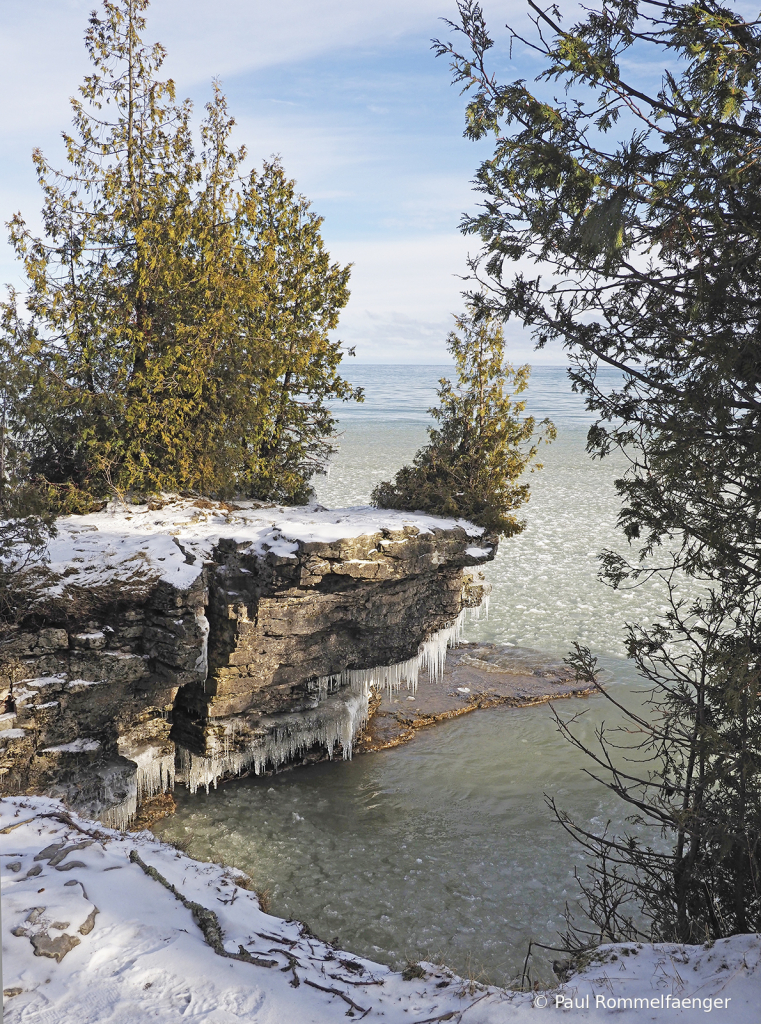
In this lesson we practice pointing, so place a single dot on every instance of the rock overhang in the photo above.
(210, 627)
(173, 539)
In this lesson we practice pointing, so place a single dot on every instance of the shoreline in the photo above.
(105, 927)
(476, 677)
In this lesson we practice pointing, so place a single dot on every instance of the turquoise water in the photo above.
(444, 848)
(546, 592)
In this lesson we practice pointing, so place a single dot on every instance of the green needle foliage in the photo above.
(483, 443)
(26, 524)
(639, 204)
(176, 330)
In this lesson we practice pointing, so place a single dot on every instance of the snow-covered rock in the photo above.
(236, 635)
(93, 934)
(171, 539)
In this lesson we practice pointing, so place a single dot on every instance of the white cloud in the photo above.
(389, 173)
(42, 57)
(403, 295)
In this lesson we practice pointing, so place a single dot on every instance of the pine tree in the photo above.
(483, 443)
(640, 209)
(26, 525)
(303, 294)
(169, 342)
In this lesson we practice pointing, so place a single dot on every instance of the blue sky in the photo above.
(348, 93)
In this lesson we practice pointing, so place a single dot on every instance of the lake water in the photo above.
(444, 848)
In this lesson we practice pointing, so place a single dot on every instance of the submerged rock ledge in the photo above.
(187, 639)
(476, 676)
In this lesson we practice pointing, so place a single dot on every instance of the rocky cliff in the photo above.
(189, 639)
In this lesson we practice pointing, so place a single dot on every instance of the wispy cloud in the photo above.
(347, 92)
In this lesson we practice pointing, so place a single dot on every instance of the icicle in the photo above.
(431, 655)
(388, 677)
(337, 720)
(479, 611)
(202, 662)
(324, 685)
(433, 652)
(120, 814)
(155, 772)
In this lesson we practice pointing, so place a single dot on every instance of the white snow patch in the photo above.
(145, 957)
(43, 681)
(136, 545)
(478, 552)
(77, 746)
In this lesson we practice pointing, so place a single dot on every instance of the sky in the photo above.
(347, 92)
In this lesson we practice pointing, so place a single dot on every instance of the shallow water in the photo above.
(445, 847)
(546, 593)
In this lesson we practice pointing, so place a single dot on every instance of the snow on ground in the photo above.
(170, 539)
(90, 936)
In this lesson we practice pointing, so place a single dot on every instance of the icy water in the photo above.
(444, 848)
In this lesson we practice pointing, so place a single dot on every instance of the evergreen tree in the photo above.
(640, 209)
(25, 527)
(483, 443)
(169, 340)
(303, 293)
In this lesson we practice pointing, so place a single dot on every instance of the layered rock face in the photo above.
(94, 699)
(195, 639)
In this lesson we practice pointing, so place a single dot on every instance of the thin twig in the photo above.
(337, 992)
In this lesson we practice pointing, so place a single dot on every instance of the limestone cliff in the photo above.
(191, 638)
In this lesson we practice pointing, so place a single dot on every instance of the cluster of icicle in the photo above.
(431, 656)
(337, 720)
(121, 814)
(155, 774)
(479, 611)
(341, 713)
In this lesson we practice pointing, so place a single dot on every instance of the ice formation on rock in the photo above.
(340, 713)
(202, 664)
(479, 611)
(155, 774)
(121, 814)
(334, 721)
(431, 656)
(78, 746)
